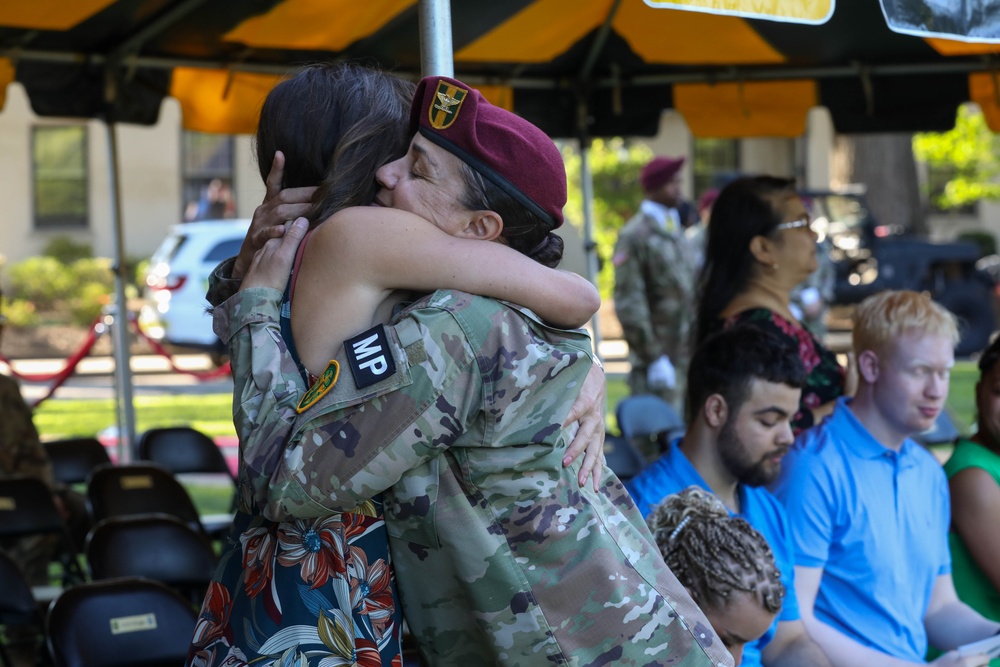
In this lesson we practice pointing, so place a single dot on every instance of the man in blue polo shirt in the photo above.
(743, 389)
(868, 507)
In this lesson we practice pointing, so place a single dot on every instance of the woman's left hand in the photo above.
(588, 410)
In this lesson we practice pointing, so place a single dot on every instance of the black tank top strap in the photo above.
(285, 318)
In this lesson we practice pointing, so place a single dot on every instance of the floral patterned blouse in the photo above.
(825, 377)
(306, 592)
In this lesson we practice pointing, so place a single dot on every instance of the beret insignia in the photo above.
(445, 105)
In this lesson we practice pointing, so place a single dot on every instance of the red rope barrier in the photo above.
(74, 360)
(163, 352)
(71, 362)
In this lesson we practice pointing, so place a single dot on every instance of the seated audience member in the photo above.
(22, 455)
(974, 480)
(726, 566)
(869, 507)
(744, 390)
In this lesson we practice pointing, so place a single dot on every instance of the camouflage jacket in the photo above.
(502, 559)
(654, 291)
(21, 452)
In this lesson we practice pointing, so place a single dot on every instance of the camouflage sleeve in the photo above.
(266, 381)
(21, 451)
(221, 284)
(353, 445)
(631, 299)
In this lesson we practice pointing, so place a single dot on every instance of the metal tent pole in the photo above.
(436, 57)
(589, 247)
(123, 370)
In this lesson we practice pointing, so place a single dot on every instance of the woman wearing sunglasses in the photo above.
(760, 246)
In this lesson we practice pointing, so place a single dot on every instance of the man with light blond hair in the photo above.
(868, 506)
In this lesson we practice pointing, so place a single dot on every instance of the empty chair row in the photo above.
(123, 622)
(180, 449)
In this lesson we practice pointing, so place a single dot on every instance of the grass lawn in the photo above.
(212, 415)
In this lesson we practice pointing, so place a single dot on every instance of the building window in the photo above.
(208, 176)
(716, 162)
(59, 175)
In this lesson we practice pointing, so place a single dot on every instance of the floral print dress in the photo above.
(302, 593)
(825, 376)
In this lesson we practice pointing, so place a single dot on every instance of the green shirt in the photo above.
(971, 583)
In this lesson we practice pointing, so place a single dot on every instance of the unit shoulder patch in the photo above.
(320, 388)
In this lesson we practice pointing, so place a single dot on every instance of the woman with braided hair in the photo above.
(726, 566)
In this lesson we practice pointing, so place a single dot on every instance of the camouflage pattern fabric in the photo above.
(655, 301)
(221, 284)
(22, 454)
(501, 558)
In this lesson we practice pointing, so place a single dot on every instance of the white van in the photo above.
(174, 305)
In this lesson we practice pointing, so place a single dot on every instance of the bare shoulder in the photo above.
(362, 222)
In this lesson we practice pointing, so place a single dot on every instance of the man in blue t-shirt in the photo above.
(868, 507)
(743, 389)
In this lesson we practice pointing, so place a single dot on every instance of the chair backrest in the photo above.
(27, 508)
(182, 450)
(18, 608)
(646, 415)
(155, 546)
(139, 488)
(74, 458)
(119, 623)
(16, 600)
(623, 459)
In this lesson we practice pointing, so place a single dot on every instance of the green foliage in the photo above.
(66, 250)
(968, 152)
(615, 166)
(77, 290)
(985, 240)
(44, 281)
(19, 313)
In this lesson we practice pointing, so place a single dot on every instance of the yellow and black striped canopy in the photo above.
(594, 67)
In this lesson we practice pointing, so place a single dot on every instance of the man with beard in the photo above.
(743, 390)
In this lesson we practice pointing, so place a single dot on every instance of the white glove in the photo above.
(661, 374)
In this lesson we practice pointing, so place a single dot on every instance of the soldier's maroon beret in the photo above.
(659, 171)
(503, 147)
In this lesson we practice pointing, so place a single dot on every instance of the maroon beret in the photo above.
(659, 171)
(512, 153)
(707, 198)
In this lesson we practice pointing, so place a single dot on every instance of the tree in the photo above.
(884, 164)
(615, 166)
(968, 152)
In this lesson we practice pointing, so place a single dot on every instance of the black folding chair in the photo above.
(120, 623)
(623, 459)
(74, 458)
(20, 615)
(182, 449)
(155, 546)
(139, 488)
(26, 509)
(644, 417)
(185, 450)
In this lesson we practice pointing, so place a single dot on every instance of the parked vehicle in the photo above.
(870, 257)
(174, 305)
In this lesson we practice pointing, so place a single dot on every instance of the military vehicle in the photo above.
(870, 257)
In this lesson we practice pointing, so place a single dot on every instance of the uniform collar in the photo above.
(861, 442)
(667, 218)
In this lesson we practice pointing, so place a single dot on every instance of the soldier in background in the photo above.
(655, 286)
